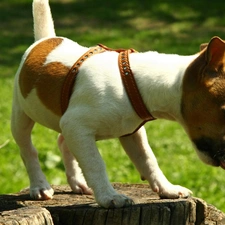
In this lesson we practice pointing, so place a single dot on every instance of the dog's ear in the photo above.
(215, 51)
(203, 46)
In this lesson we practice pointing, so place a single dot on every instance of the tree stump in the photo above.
(67, 208)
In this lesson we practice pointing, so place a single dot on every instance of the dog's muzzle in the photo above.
(220, 157)
(212, 149)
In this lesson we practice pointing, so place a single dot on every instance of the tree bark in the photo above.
(67, 208)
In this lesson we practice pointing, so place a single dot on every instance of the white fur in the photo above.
(43, 22)
(99, 108)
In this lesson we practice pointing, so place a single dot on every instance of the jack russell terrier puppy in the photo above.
(90, 94)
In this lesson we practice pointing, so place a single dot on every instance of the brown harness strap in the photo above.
(126, 75)
(131, 86)
(130, 83)
(70, 78)
(116, 50)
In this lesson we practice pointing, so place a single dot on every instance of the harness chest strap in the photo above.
(131, 86)
(126, 75)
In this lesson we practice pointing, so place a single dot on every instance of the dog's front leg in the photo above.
(138, 149)
(81, 143)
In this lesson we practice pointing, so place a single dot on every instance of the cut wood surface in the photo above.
(67, 208)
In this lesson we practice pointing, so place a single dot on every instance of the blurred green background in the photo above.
(177, 27)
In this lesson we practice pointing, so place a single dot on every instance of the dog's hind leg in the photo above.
(21, 126)
(74, 174)
(139, 151)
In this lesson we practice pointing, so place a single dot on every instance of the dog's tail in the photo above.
(43, 22)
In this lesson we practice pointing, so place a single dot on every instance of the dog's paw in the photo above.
(41, 193)
(78, 184)
(115, 201)
(174, 191)
(80, 188)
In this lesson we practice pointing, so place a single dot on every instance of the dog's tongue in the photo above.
(222, 164)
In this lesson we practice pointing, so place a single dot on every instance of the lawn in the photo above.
(164, 26)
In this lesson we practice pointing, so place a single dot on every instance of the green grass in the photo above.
(165, 26)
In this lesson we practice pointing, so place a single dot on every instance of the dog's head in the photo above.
(203, 102)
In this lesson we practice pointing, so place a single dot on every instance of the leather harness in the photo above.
(126, 75)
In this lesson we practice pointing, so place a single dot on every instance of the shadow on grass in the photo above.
(165, 26)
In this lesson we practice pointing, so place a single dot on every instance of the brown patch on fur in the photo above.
(46, 79)
(203, 98)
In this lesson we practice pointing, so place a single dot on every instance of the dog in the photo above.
(186, 89)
